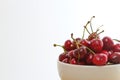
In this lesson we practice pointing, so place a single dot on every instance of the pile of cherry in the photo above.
(91, 50)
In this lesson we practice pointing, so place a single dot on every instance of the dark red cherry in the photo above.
(62, 56)
(78, 39)
(66, 60)
(89, 59)
(100, 59)
(68, 45)
(70, 54)
(73, 61)
(84, 42)
(107, 43)
(114, 58)
(81, 63)
(96, 45)
(116, 48)
(105, 52)
(93, 35)
(80, 52)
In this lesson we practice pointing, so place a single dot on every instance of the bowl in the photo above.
(85, 72)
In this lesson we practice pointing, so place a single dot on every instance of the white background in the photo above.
(29, 28)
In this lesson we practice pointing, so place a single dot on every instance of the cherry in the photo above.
(100, 59)
(81, 63)
(80, 52)
(114, 58)
(68, 45)
(84, 42)
(116, 48)
(76, 40)
(93, 35)
(89, 59)
(96, 45)
(107, 43)
(70, 54)
(66, 60)
(62, 56)
(105, 52)
(73, 61)
(76, 53)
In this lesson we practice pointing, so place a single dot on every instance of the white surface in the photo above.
(28, 29)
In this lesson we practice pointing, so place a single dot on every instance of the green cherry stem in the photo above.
(91, 23)
(116, 40)
(55, 45)
(90, 50)
(86, 27)
(83, 33)
(100, 32)
(74, 40)
(98, 28)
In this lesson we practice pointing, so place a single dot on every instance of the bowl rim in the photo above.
(92, 66)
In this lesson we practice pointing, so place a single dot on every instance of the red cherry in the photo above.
(107, 43)
(73, 61)
(93, 35)
(105, 52)
(100, 59)
(70, 54)
(80, 52)
(96, 45)
(116, 48)
(89, 59)
(84, 42)
(62, 56)
(81, 63)
(114, 58)
(78, 39)
(68, 45)
(66, 60)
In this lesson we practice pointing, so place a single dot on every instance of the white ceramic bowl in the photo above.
(83, 72)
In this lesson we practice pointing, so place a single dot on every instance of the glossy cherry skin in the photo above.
(116, 48)
(70, 54)
(66, 60)
(62, 56)
(105, 52)
(96, 45)
(68, 45)
(100, 59)
(107, 43)
(73, 61)
(84, 42)
(115, 58)
(89, 59)
(81, 63)
(93, 35)
(80, 52)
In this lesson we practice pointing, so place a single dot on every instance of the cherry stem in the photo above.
(74, 40)
(116, 40)
(90, 50)
(100, 32)
(91, 23)
(86, 27)
(83, 33)
(55, 45)
(97, 30)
